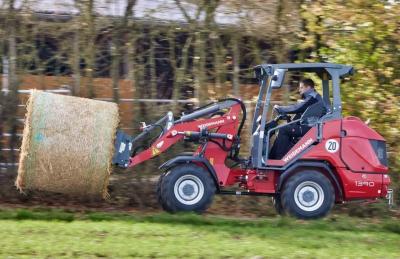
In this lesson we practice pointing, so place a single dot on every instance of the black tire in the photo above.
(158, 191)
(307, 195)
(276, 201)
(186, 187)
(158, 187)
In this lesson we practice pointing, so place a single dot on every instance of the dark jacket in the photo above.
(309, 98)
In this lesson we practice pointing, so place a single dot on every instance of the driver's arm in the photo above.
(296, 108)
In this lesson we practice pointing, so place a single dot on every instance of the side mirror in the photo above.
(277, 78)
(258, 72)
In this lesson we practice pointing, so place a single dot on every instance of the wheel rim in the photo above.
(189, 189)
(309, 196)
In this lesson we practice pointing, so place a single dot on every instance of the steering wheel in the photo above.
(281, 116)
(277, 118)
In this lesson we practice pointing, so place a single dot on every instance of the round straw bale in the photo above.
(67, 145)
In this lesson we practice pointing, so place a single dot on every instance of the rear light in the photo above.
(380, 151)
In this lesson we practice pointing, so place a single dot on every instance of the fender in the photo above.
(187, 159)
(285, 175)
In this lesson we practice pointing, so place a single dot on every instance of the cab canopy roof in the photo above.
(319, 68)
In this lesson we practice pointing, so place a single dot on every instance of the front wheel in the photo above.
(308, 195)
(276, 201)
(186, 187)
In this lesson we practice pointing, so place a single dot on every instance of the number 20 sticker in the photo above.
(332, 146)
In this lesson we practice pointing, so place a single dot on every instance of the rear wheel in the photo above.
(186, 188)
(307, 195)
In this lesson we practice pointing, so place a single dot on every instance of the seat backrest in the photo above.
(327, 105)
(312, 114)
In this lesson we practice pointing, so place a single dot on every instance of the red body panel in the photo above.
(355, 163)
(259, 181)
(361, 185)
(355, 127)
(262, 182)
(330, 131)
(359, 156)
(357, 152)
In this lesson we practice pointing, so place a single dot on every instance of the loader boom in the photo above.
(222, 128)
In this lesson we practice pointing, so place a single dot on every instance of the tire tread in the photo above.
(290, 185)
(166, 185)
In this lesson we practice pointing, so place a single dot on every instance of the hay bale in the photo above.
(67, 145)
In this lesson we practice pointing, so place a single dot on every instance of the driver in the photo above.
(283, 142)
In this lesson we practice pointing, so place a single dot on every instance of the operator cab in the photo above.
(272, 78)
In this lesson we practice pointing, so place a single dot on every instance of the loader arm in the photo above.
(223, 130)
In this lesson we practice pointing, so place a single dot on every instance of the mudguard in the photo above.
(188, 159)
(315, 164)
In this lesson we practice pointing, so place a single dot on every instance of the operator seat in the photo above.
(311, 116)
(313, 113)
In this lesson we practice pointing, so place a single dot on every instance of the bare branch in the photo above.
(187, 16)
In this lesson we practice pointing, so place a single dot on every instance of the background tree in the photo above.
(365, 35)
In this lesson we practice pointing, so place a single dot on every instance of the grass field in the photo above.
(59, 234)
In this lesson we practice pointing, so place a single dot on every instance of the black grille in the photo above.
(380, 151)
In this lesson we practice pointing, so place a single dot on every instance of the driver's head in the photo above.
(305, 85)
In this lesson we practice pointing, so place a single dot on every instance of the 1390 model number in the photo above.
(364, 183)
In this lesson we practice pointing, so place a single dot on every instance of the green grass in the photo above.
(59, 234)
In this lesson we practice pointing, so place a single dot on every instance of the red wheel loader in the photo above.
(337, 160)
